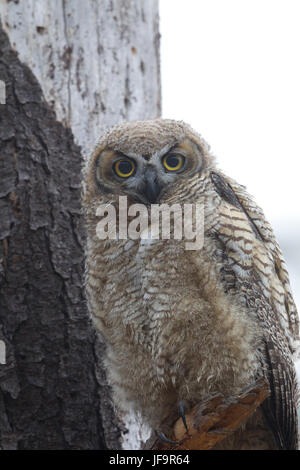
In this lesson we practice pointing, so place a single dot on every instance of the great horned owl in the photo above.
(182, 324)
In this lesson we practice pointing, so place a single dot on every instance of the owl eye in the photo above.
(124, 168)
(173, 162)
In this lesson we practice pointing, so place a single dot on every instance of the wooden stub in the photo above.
(215, 418)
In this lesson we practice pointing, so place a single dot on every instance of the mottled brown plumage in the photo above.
(179, 324)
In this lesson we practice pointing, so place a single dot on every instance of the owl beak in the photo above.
(151, 187)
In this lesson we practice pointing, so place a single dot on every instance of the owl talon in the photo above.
(163, 438)
(182, 415)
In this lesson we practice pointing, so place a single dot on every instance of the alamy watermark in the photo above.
(2, 92)
(2, 352)
(159, 221)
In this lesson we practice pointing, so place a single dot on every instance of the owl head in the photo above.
(146, 161)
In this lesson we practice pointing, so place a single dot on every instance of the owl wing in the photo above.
(256, 263)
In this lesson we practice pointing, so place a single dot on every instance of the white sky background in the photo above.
(231, 69)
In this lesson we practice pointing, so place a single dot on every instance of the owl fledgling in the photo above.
(182, 324)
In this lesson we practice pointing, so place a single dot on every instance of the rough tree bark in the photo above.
(93, 68)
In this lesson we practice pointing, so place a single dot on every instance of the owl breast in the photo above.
(164, 324)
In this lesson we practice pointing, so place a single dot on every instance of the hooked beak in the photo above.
(151, 187)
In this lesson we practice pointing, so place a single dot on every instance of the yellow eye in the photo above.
(173, 162)
(124, 168)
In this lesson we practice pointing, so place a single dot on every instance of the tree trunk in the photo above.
(68, 66)
(97, 61)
